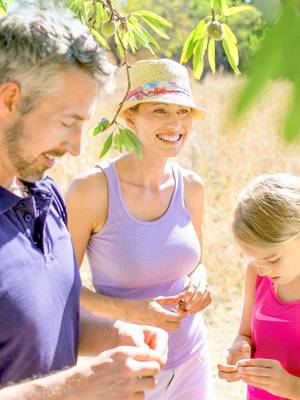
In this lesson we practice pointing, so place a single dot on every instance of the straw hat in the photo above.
(162, 81)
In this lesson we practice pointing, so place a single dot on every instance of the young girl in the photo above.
(142, 229)
(266, 352)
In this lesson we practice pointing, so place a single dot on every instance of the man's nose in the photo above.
(73, 145)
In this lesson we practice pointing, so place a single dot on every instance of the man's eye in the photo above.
(273, 261)
(159, 111)
(67, 125)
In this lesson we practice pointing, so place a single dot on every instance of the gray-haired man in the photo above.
(50, 72)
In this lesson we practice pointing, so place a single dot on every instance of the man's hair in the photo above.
(36, 44)
(268, 211)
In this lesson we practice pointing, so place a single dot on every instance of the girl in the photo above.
(142, 229)
(266, 352)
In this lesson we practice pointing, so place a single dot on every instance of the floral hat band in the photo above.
(161, 81)
(156, 88)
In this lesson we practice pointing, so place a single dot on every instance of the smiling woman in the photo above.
(143, 229)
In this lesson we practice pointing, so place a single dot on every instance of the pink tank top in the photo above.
(275, 329)
(134, 259)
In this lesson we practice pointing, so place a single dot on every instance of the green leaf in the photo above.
(118, 142)
(188, 48)
(131, 41)
(153, 17)
(198, 60)
(229, 34)
(3, 6)
(200, 29)
(229, 44)
(191, 41)
(157, 28)
(270, 61)
(100, 39)
(120, 47)
(212, 55)
(134, 141)
(224, 6)
(101, 126)
(218, 4)
(106, 146)
(212, 3)
(231, 55)
(149, 37)
(140, 38)
(237, 9)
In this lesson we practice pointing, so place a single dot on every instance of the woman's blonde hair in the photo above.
(268, 211)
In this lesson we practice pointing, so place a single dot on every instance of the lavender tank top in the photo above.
(134, 259)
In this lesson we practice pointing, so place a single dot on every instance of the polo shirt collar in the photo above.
(9, 199)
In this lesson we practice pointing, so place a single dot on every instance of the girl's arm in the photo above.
(242, 345)
(87, 206)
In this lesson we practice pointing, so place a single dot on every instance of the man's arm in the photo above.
(121, 373)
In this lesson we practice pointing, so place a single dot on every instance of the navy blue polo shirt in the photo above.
(39, 284)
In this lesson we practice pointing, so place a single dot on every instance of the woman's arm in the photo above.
(197, 296)
(87, 206)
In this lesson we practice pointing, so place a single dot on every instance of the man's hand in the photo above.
(143, 336)
(121, 373)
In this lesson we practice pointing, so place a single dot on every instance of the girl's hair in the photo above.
(268, 211)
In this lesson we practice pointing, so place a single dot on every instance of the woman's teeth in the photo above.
(170, 138)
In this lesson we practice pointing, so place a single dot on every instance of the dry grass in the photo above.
(227, 158)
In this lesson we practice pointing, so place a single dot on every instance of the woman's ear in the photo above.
(129, 118)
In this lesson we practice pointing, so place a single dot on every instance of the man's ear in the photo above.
(129, 118)
(10, 94)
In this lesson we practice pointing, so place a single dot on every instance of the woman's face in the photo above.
(280, 263)
(162, 128)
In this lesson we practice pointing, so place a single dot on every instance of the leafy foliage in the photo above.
(278, 58)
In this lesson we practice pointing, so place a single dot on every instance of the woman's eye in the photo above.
(160, 111)
(184, 111)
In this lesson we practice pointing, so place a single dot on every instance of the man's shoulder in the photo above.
(49, 185)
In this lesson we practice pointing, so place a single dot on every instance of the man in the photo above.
(50, 72)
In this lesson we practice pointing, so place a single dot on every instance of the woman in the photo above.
(142, 229)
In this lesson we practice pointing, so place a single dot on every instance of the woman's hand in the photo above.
(269, 375)
(160, 312)
(227, 367)
(197, 296)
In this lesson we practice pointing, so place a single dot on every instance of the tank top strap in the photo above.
(179, 187)
(114, 201)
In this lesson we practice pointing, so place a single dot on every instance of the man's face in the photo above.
(52, 128)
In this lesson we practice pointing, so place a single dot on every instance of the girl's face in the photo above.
(280, 263)
(162, 128)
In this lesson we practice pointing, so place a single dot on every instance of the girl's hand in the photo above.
(269, 375)
(196, 295)
(227, 367)
(160, 312)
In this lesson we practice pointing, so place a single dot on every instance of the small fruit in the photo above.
(215, 30)
(108, 28)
